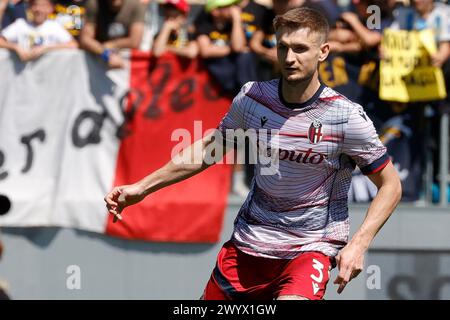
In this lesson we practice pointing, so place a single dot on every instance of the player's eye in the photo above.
(299, 49)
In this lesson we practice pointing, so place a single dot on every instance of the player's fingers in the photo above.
(111, 203)
(109, 200)
(347, 274)
(112, 211)
(355, 273)
(342, 270)
(117, 216)
(341, 287)
(344, 274)
(121, 202)
(338, 280)
(111, 206)
(341, 275)
(112, 196)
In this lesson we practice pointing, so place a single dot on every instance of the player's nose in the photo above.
(290, 57)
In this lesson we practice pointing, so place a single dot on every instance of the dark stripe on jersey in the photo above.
(377, 165)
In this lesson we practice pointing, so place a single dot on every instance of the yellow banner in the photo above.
(406, 72)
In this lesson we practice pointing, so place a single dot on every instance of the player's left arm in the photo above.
(350, 260)
(363, 145)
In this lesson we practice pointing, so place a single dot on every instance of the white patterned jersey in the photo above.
(302, 206)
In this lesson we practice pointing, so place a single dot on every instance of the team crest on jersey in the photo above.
(315, 134)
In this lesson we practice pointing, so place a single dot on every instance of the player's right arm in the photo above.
(189, 162)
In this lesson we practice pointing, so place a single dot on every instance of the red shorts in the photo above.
(241, 276)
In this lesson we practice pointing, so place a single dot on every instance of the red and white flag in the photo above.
(69, 132)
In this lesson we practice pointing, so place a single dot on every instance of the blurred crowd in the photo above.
(236, 42)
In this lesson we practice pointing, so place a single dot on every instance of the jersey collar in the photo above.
(299, 105)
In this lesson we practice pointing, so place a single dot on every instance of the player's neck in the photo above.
(299, 92)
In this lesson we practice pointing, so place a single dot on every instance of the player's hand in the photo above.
(350, 262)
(121, 197)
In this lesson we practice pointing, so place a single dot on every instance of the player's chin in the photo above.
(293, 78)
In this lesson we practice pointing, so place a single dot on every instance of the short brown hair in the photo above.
(303, 18)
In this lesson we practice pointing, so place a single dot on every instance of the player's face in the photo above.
(299, 53)
(40, 10)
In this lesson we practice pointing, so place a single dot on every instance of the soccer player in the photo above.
(294, 225)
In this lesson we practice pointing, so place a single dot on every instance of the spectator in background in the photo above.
(175, 35)
(252, 14)
(356, 21)
(428, 14)
(10, 10)
(30, 40)
(70, 14)
(112, 25)
(354, 45)
(222, 44)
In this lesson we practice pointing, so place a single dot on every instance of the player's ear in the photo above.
(324, 51)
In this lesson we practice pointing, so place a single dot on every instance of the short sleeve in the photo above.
(362, 144)
(234, 118)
